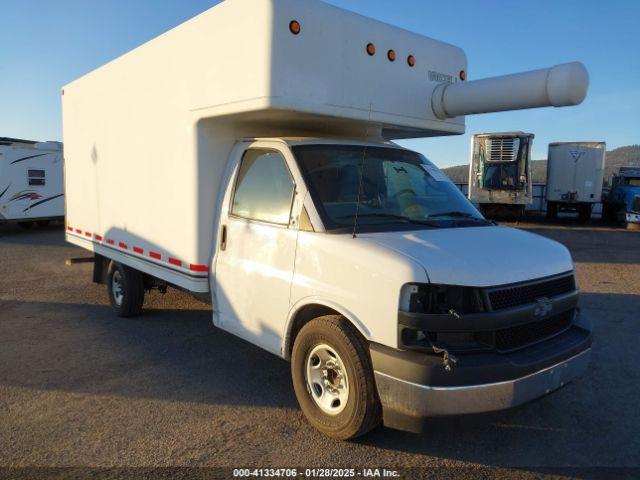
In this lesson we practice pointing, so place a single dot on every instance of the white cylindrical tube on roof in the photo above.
(558, 86)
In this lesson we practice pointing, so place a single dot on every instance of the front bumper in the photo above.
(414, 385)
(423, 400)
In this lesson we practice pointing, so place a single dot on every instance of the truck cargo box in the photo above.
(147, 135)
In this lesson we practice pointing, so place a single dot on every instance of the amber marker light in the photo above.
(463, 75)
(411, 60)
(294, 27)
(391, 55)
(371, 49)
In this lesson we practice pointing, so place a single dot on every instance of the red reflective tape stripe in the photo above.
(87, 234)
(175, 261)
(70, 229)
(198, 268)
(110, 242)
(78, 230)
(138, 250)
(155, 255)
(97, 237)
(123, 245)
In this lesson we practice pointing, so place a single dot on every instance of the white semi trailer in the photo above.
(245, 156)
(31, 185)
(575, 171)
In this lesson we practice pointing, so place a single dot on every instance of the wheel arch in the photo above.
(306, 310)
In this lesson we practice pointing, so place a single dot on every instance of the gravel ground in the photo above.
(80, 387)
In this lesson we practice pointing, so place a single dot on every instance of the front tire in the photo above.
(126, 290)
(333, 378)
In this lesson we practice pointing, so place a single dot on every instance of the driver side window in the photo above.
(264, 188)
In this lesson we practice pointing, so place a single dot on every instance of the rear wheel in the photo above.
(126, 290)
(584, 212)
(333, 378)
(552, 210)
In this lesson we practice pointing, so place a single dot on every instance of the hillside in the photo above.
(628, 155)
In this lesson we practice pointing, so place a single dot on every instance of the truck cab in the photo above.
(621, 203)
(459, 315)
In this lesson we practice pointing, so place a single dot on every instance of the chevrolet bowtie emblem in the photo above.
(543, 307)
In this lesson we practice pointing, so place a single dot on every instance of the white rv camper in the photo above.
(575, 171)
(500, 172)
(245, 156)
(31, 185)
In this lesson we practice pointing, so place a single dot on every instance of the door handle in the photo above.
(223, 238)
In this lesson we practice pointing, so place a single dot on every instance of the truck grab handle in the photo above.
(558, 86)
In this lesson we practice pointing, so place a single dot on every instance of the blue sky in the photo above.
(45, 44)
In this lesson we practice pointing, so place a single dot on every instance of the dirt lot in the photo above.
(82, 388)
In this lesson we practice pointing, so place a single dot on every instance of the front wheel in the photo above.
(333, 378)
(126, 290)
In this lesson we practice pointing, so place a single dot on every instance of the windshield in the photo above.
(390, 189)
(633, 182)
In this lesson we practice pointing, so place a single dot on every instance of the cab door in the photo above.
(257, 244)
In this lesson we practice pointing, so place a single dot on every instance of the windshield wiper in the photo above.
(453, 214)
(458, 214)
(395, 217)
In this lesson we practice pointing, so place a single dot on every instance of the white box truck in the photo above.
(31, 185)
(575, 172)
(245, 157)
(500, 173)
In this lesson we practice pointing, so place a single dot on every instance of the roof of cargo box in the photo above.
(581, 144)
(302, 59)
(504, 134)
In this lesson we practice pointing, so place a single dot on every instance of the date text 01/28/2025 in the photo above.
(315, 473)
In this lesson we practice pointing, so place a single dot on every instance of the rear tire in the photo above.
(552, 210)
(331, 344)
(126, 290)
(584, 213)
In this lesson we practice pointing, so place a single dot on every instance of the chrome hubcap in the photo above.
(117, 288)
(327, 380)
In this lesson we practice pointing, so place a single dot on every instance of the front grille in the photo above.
(512, 338)
(517, 295)
(635, 205)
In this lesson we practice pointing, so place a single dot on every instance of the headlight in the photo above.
(439, 299)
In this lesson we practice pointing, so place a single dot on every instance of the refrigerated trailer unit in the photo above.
(575, 171)
(31, 185)
(245, 157)
(500, 173)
